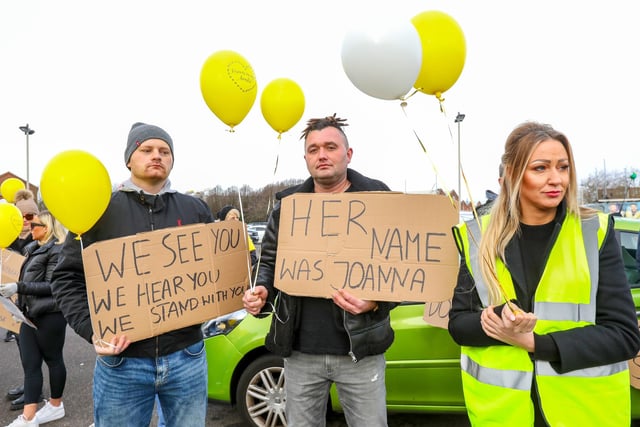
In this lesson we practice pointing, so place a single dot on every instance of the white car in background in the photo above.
(256, 231)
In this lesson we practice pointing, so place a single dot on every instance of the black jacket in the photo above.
(128, 213)
(34, 287)
(369, 333)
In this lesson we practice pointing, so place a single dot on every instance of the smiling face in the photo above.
(327, 156)
(544, 183)
(151, 162)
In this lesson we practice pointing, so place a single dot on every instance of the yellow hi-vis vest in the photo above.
(497, 379)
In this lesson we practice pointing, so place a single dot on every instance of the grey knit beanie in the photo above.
(139, 133)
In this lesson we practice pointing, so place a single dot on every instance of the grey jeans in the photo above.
(361, 389)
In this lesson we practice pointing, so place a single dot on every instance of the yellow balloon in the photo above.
(10, 224)
(443, 52)
(228, 86)
(76, 188)
(10, 187)
(282, 104)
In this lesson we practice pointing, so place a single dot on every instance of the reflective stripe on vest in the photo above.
(518, 380)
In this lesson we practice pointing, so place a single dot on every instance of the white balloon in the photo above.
(383, 62)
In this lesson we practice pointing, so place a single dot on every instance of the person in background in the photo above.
(340, 340)
(128, 376)
(227, 213)
(491, 195)
(45, 343)
(614, 210)
(25, 201)
(632, 212)
(542, 308)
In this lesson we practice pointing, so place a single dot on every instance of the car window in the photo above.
(629, 241)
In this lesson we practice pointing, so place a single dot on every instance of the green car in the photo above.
(423, 364)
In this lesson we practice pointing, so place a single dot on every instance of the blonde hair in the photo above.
(232, 211)
(54, 228)
(505, 212)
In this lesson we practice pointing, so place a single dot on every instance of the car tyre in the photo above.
(260, 395)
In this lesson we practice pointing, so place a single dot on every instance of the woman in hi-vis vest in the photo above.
(542, 308)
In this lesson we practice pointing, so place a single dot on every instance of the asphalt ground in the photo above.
(80, 359)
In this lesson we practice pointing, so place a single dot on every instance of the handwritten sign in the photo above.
(11, 262)
(144, 285)
(436, 313)
(7, 319)
(379, 246)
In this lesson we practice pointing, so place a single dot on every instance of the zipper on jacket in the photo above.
(344, 323)
(151, 218)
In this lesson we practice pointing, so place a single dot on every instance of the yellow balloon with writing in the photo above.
(10, 224)
(282, 104)
(228, 85)
(76, 188)
(10, 187)
(443, 52)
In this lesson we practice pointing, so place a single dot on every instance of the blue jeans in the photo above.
(125, 388)
(161, 422)
(361, 389)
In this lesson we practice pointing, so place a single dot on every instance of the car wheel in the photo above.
(260, 395)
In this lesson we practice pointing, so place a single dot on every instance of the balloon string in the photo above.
(270, 204)
(275, 168)
(404, 98)
(424, 150)
(246, 237)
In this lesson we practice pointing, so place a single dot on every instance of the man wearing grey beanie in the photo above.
(125, 379)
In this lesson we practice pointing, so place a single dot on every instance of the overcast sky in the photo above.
(80, 73)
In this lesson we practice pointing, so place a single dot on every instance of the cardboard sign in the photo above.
(11, 264)
(634, 369)
(436, 313)
(380, 246)
(144, 285)
(7, 319)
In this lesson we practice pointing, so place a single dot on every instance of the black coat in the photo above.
(34, 287)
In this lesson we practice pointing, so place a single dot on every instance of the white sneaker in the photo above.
(22, 422)
(49, 413)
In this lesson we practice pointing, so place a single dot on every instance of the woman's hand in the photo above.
(8, 289)
(514, 329)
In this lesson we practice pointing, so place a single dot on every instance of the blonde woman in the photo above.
(47, 341)
(542, 308)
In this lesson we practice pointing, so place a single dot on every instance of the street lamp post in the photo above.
(27, 131)
(459, 119)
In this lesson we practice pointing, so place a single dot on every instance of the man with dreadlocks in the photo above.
(340, 340)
